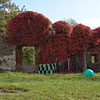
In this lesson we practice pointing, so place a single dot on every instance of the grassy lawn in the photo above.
(24, 86)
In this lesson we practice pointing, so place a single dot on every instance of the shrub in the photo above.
(28, 55)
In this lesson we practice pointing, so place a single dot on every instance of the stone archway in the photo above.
(21, 65)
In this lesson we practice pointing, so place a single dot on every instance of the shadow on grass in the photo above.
(82, 78)
(52, 77)
(75, 77)
(4, 71)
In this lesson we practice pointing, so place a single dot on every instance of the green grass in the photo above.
(48, 87)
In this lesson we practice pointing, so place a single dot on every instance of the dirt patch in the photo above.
(11, 89)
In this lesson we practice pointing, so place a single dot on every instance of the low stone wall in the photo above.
(30, 68)
(7, 55)
(8, 62)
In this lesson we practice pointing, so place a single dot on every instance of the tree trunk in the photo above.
(84, 61)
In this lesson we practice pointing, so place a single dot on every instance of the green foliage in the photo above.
(7, 11)
(28, 55)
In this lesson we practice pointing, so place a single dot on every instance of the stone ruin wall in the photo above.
(7, 55)
(8, 58)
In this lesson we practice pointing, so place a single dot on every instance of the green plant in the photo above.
(28, 55)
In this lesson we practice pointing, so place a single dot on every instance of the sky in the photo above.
(86, 12)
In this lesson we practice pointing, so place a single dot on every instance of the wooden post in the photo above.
(19, 58)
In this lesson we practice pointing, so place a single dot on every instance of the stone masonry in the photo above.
(7, 55)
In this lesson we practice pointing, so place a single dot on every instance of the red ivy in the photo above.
(28, 28)
(62, 27)
(96, 37)
(95, 41)
(31, 28)
(81, 36)
(56, 45)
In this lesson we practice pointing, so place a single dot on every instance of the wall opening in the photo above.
(28, 55)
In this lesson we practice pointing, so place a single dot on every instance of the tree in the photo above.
(63, 32)
(71, 22)
(81, 36)
(56, 45)
(7, 11)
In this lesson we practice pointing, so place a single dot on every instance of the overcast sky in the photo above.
(86, 12)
